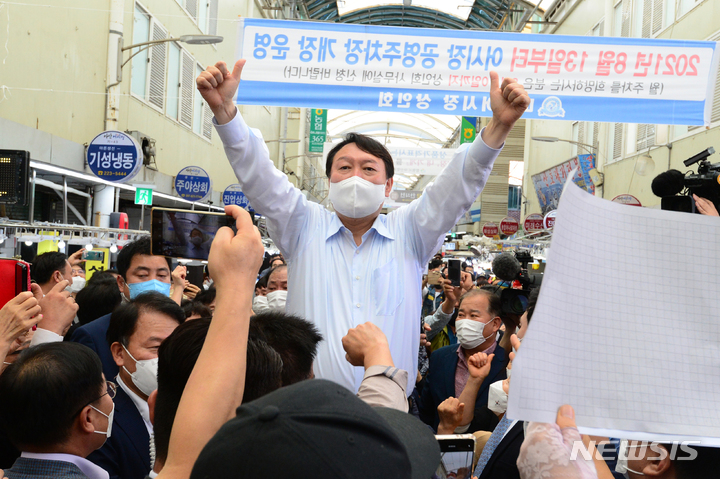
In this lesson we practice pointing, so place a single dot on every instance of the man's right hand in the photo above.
(235, 259)
(17, 316)
(450, 412)
(452, 294)
(218, 85)
(58, 308)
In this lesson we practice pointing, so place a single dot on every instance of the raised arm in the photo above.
(268, 189)
(464, 178)
(215, 387)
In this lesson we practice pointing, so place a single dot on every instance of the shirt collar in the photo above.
(488, 351)
(141, 405)
(379, 225)
(88, 468)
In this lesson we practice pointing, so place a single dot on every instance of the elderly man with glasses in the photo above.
(56, 407)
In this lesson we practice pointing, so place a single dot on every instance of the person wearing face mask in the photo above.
(139, 271)
(466, 371)
(56, 430)
(135, 332)
(277, 288)
(355, 265)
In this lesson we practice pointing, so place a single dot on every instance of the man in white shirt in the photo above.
(56, 407)
(356, 265)
(135, 332)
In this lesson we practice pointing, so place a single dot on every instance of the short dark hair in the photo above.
(140, 246)
(176, 359)
(207, 296)
(263, 373)
(494, 301)
(294, 338)
(191, 308)
(435, 263)
(43, 391)
(99, 297)
(80, 265)
(123, 322)
(46, 264)
(366, 144)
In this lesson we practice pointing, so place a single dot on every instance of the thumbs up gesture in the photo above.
(218, 85)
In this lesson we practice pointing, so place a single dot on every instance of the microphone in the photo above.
(506, 267)
(669, 183)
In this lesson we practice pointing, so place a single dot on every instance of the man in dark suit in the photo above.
(139, 271)
(466, 371)
(72, 417)
(134, 335)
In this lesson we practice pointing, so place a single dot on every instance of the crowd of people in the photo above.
(334, 358)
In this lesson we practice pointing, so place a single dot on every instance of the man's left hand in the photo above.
(76, 257)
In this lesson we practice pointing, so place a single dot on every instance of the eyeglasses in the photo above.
(110, 390)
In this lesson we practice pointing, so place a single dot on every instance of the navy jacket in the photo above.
(440, 385)
(93, 335)
(503, 462)
(126, 455)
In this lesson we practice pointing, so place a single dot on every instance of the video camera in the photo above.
(676, 189)
(511, 268)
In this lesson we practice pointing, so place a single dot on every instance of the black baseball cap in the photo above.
(317, 429)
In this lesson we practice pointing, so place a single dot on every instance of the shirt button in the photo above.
(357, 305)
(357, 277)
(357, 251)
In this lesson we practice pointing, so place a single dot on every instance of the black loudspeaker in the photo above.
(14, 176)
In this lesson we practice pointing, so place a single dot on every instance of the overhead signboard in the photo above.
(549, 183)
(318, 130)
(549, 219)
(468, 129)
(533, 223)
(509, 226)
(233, 195)
(417, 70)
(114, 156)
(490, 230)
(193, 184)
(627, 200)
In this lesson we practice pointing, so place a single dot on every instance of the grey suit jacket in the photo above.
(26, 468)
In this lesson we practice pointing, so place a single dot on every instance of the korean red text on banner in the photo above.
(490, 230)
(509, 226)
(533, 223)
(613, 79)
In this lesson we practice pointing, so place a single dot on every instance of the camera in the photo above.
(676, 189)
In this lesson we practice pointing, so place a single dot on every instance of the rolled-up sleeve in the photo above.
(384, 386)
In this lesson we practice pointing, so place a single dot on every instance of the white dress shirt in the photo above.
(338, 285)
(88, 468)
(141, 405)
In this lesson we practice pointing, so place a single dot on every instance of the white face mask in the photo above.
(110, 420)
(355, 197)
(145, 375)
(497, 399)
(622, 462)
(260, 304)
(78, 283)
(277, 299)
(470, 333)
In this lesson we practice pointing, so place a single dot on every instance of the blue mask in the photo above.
(136, 289)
